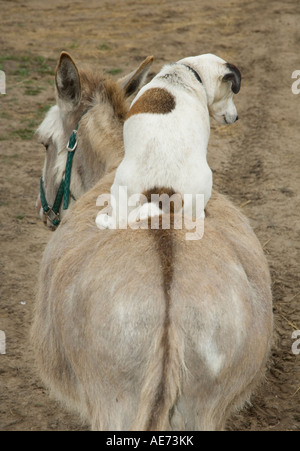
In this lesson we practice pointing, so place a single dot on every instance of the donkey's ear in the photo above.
(67, 80)
(234, 76)
(133, 81)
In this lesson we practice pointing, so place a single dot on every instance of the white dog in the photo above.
(167, 130)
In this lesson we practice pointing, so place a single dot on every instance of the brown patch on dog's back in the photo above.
(153, 101)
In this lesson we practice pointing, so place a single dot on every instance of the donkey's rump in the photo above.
(100, 323)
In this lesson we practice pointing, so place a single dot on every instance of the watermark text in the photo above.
(164, 211)
(2, 342)
(296, 84)
(2, 82)
(296, 344)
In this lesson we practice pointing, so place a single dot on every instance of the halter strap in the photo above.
(52, 213)
(63, 191)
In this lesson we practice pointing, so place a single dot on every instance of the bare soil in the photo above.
(256, 162)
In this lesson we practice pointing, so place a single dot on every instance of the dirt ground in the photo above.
(256, 162)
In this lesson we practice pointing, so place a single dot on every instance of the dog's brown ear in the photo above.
(233, 75)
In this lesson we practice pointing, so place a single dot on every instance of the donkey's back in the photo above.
(141, 329)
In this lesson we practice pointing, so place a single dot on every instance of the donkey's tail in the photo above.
(163, 379)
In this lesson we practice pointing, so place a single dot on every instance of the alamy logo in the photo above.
(296, 344)
(2, 342)
(2, 82)
(133, 212)
(296, 84)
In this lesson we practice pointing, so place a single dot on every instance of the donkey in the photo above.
(77, 91)
(142, 329)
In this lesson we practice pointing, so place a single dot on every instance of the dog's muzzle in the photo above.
(230, 120)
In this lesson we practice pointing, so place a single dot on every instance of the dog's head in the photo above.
(221, 81)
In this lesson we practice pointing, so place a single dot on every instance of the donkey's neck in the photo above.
(87, 169)
(100, 151)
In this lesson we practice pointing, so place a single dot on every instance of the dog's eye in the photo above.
(46, 146)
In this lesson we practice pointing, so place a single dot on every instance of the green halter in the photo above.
(63, 192)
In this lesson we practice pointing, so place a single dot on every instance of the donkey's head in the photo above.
(88, 119)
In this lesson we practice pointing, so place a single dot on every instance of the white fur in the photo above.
(52, 127)
(51, 132)
(169, 150)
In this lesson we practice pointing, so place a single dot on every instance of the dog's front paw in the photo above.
(104, 221)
